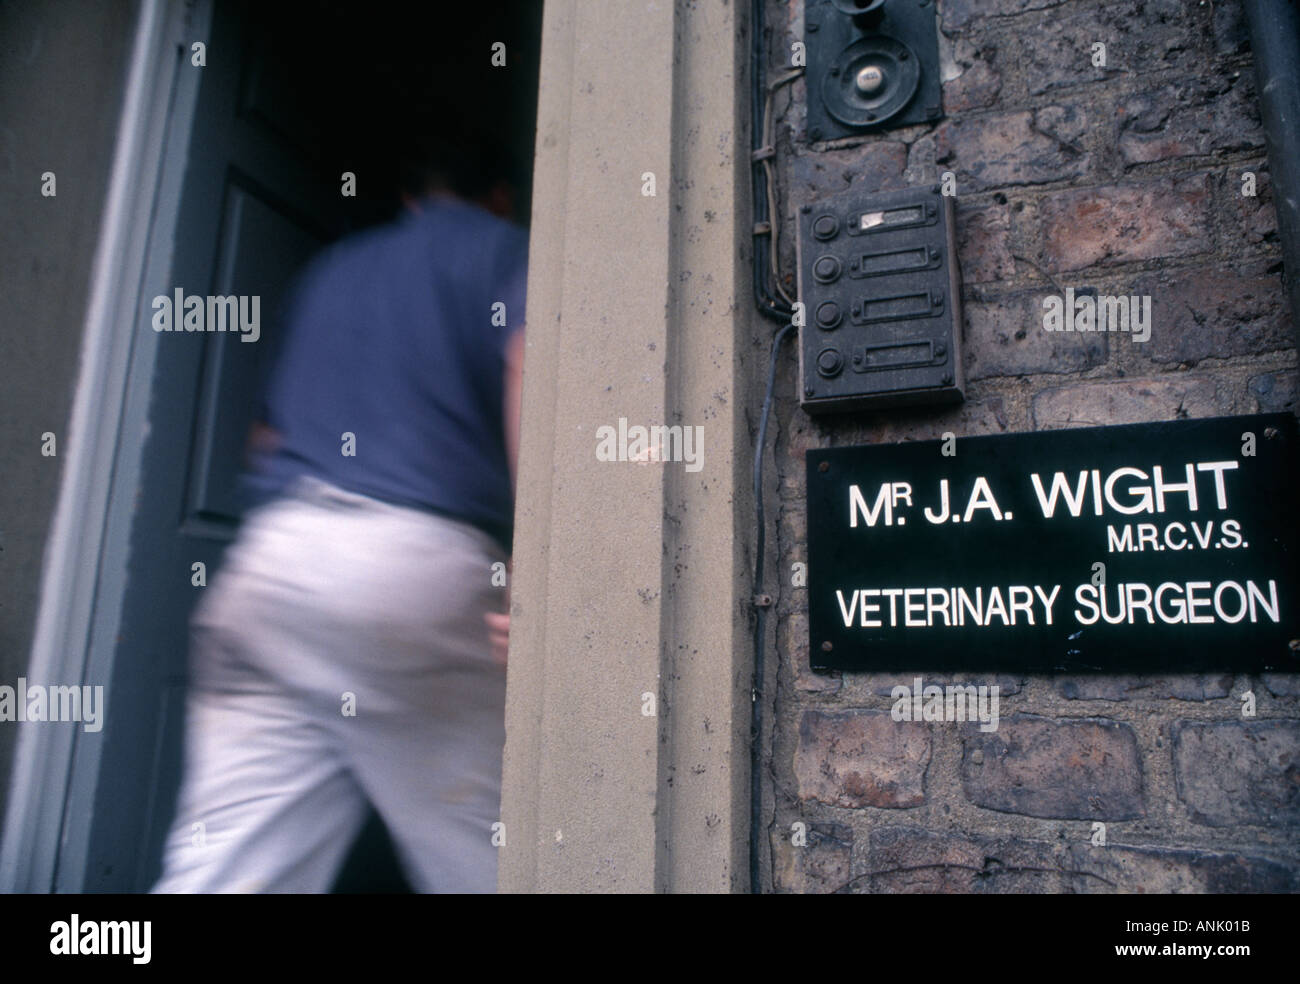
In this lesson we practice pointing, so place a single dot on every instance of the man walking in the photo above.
(348, 650)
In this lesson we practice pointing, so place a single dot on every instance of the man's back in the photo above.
(396, 337)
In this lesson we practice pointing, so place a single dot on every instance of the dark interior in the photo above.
(374, 78)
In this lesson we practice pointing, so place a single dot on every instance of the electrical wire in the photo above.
(760, 626)
(779, 308)
(763, 179)
(773, 212)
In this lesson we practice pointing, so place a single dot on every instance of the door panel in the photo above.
(256, 202)
(260, 245)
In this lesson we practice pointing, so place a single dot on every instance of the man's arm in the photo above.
(499, 623)
(514, 383)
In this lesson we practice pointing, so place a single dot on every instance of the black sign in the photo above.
(1164, 547)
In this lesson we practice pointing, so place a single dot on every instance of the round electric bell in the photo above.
(871, 81)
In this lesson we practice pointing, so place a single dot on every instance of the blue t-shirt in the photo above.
(397, 336)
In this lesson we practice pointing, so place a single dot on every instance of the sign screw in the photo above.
(825, 466)
(826, 646)
(1271, 433)
(1293, 645)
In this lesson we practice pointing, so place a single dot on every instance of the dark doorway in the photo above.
(368, 78)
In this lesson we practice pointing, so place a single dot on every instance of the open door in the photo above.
(256, 204)
(287, 102)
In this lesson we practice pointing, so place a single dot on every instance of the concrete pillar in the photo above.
(630, 584)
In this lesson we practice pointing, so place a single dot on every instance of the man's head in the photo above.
(449, 160)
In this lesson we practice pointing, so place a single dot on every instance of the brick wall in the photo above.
(1127, 179)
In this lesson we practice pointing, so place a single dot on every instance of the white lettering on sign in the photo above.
(891, 494)
(1191, 603)
(1196, 493)
(887, 500)
(1016, 604)
(1145, 494)
(1131, 603)
(1128, 491)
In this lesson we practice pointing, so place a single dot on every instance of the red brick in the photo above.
(910, 861)
(1140, 36)
(1235, 772)
(1165, 871)
(1254, 217)
(1281, 684)
(861, 758)
(1274, 392)
(1005, 337)
(982, 244)
(1072, 769)
(1190, 118)
(979, 83)
(1128, 401)
(903, 860)
(1123, 687)
(876, 166)
(1215, 311)
(987, 416)
(1008, 149)
(958, 14)
(1120, 223)
(820, 867)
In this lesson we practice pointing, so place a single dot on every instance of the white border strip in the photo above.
(43, 757)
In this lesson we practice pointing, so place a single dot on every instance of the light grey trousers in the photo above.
(341, 655)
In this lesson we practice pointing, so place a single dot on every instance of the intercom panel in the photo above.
(881, 295)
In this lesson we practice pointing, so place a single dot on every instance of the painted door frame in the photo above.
(631, 585)
(83, 579)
